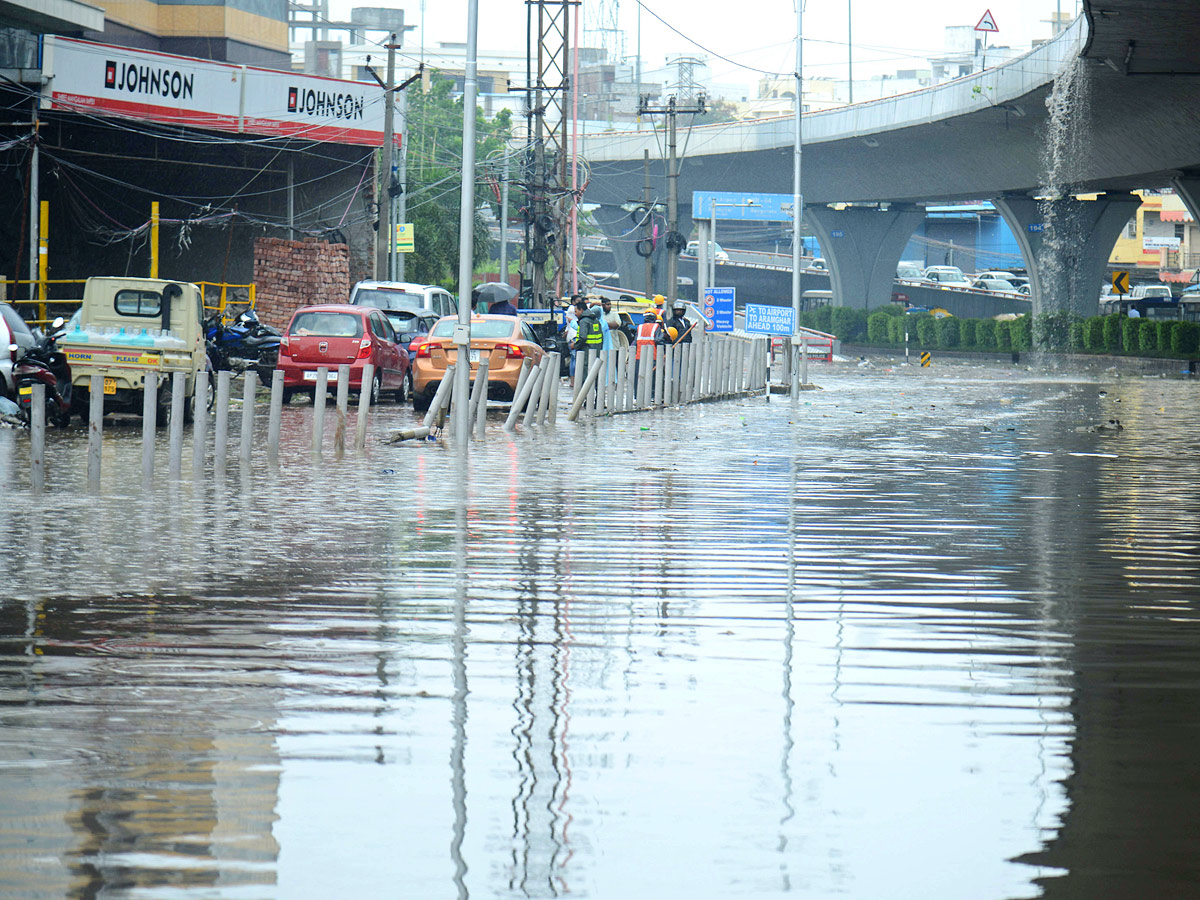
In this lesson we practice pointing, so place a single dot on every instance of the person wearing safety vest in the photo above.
(659, 306)
(647, 335)
(591, 337)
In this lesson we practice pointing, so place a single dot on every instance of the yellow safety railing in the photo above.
(41, 301)
(227, 296)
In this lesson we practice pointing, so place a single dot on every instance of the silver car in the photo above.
(13, 330)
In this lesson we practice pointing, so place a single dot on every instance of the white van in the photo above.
(398, 295)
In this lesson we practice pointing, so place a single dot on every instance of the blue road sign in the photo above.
(743, 206)
(762, 319)
(718, 308)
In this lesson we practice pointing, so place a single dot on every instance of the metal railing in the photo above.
(43, 300)
(243, 295)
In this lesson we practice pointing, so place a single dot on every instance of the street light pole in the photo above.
(466, 232)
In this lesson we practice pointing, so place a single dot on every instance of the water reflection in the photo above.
(915, 632)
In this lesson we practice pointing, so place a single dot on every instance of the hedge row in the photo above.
(1114, 334)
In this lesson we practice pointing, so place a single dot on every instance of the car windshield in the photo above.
(326, 324)
(405, 322)
(480, 328)
(389, 298)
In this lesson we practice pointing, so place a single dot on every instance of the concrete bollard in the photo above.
(535, 394)
(555, 379)
(581, 395)
(249, 390)
(589, 407)
(95, 429)
(439, 397)
(610, 382)
(343, 408)
(480, 384)
(630, 379)
(149, 424)
(199, 423)
(275, 419)
(646, 370)
(178, 399)
(543, 407)
(660, 375)
(221, 430)
(526, 366)
(804, 361)
(364, 406)
(322, 388)
(521, 398)
(480, 409)
(37, 437)
(409, 434)
(621, 379)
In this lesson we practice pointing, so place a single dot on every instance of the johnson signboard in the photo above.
(99, 79)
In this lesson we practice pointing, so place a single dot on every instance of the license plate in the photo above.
(312, 376)
(26, 391)
(110, 385)
(472, 355)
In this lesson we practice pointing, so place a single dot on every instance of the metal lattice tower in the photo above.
(603, 18)
(685, 88)
(547, 176)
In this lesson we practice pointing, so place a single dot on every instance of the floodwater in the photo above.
(920, 634)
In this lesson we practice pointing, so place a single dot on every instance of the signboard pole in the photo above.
(797, 194)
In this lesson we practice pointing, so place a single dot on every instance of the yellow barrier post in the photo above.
(43, 256)
(154, 239)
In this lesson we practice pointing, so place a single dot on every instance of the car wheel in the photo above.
(405, 388)
(288, 393)
(421, 402)
(376, 384)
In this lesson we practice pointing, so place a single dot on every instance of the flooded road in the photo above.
(920, 634)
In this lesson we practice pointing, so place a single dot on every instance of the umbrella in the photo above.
(494, 292)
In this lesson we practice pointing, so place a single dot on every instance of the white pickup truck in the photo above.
(128, 327)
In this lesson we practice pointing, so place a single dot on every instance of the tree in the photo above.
(435, 121)
(716, 111)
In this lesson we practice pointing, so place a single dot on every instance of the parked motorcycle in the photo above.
(243, 343)
(44, 363)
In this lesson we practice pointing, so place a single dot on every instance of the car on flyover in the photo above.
(994, 285)
(339, 334)
(693, 249)
(505, 341)
(907, 271)
(946, 277)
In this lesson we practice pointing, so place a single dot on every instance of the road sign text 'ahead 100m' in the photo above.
(762, 319)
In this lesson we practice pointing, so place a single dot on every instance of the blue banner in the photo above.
(718, 309)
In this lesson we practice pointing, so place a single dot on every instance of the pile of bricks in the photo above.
(291, 274)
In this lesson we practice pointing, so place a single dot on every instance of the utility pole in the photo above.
(389, 185)
(648, 224)
(384, 241)
(466, 232)
(674, 240)
(504, 222)
(402, 198)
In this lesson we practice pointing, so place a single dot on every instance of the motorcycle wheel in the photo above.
(59, 417)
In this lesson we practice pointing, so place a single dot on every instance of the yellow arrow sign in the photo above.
(1120, 282)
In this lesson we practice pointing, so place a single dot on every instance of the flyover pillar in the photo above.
(1187, 186)
(1066, 244)
(862, 246)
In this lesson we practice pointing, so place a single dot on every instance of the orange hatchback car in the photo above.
(505, 341)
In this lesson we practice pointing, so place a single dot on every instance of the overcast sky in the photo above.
(756, 34)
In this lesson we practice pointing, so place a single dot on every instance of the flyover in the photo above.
(1105, 108)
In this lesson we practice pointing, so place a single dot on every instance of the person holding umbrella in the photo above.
(497, 296)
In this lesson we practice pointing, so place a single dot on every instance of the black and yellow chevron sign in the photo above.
(1120, 282)
(926, 358)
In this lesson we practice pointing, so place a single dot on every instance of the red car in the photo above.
(340, 334)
